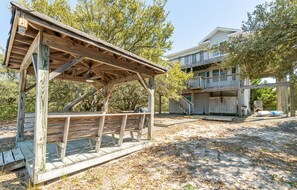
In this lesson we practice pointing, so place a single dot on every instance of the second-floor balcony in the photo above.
(216, 82)
(205, 61)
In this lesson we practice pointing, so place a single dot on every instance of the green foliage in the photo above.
(268, 45)
(267, 95)
(129, 24)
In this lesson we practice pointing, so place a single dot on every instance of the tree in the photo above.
(130, 24)
(268, 45)
(268, 41)
(267, 95)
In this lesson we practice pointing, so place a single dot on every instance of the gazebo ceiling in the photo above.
(84, 56)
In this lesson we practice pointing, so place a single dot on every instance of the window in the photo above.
(197, 57)
(201, 74)
(215, 51)
(186, 60)
(222, 73)
(215, 74)
(233, 72)
(193, 58)
(201, 56)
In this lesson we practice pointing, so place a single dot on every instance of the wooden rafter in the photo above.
(27, 59)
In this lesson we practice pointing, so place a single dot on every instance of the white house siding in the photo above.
(201, 105)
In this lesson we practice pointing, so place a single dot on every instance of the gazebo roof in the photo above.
(105, 62)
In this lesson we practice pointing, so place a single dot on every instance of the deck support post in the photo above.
(151, 106)
(41, 110)
(21, 106)
(239, 102)
(292, 96)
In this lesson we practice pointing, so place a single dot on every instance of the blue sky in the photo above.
(192, 19)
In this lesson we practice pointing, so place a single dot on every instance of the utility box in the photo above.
(258, 105)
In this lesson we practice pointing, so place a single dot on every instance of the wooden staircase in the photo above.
(184, 105)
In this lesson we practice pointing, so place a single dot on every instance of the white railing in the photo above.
(197, 82)
(184, 104)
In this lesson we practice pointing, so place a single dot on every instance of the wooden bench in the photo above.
(65, 127)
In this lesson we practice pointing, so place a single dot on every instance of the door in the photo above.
(201, 103)
(189, 98)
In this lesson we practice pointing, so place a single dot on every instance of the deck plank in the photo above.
(26, 151)
(90, 162)
(1, 159)
(18, 155)
(8, 157)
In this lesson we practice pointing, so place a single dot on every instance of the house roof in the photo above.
(201, 45)
(218, 29)
(110, 61)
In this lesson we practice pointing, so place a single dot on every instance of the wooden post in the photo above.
(151, 106)
(41, 111)
(99, 133)
(160, 103)
(122, 131)
(292, 97)
(107, 90)
(21, 106)
(63, 145)
(239, 102)
(282, 96)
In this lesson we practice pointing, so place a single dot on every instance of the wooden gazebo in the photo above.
(41, 46)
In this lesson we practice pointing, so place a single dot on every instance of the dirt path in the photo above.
(198, 155)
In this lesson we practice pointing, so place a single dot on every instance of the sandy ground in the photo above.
(193, 154)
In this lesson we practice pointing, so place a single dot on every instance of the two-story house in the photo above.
(213, 89)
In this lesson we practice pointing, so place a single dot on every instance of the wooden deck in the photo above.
(11, 159)
(79, 156)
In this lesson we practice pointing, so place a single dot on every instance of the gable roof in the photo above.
(219, 29)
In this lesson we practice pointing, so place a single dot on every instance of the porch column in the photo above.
(21, 106)
(151, 106)
(41, 111)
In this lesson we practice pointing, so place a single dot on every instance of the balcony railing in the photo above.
(204, 62)
(231, 81)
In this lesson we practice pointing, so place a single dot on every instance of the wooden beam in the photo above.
(151, 106)
(21, 106)
(69, 46)
(143, 82)
(64, 67)
(11, 38)
(265, 85)
(27, 59)
(41, 111)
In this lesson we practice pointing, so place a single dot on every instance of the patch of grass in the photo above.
(189, 187)
(292, 184)
(192, 168)
(64, 177)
